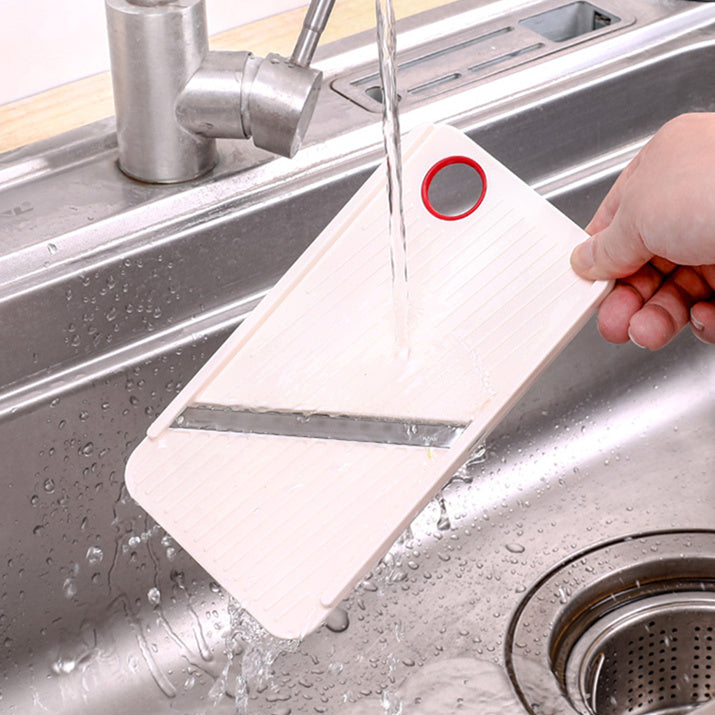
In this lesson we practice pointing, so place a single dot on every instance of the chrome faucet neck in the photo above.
(315, 20)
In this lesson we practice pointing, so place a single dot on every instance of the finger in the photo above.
(616, 311)
(607, 210)
(702, 321)
(708, 274)
(624, 301)
(615, 252)
(663, 265)
(668, 311)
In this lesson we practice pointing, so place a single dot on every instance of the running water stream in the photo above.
(386, 44)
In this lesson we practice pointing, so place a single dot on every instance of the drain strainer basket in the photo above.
(649, 655)
(626, 628)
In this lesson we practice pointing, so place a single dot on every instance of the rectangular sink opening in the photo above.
(569, 21)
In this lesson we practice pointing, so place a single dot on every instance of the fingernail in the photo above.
(634, 341)
(697, 325)
(583, 257)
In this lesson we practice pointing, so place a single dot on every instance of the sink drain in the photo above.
(625, 628)
(648, 656)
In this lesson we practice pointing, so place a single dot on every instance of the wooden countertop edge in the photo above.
(87, 100)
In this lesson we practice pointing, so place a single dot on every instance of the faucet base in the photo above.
(154, 51)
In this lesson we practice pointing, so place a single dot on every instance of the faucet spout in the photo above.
(173, 97)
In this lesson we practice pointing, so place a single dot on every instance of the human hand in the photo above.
(655, 232)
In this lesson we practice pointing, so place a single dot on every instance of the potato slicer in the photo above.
(309, 441)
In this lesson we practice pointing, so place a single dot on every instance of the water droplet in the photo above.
(87, 449)
(69, 588)
(338, 620)
(51, 248)
(477, 456)
(515, 548)
(49, 485)
(63, 666)
(94, 555)
(84, 415)
(154, 596)
(443, 523)
(34, 500)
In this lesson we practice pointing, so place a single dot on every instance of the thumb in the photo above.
(613, 252)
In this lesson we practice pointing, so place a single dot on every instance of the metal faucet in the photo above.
(173, 97)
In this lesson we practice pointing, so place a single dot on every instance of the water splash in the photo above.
(158, 675)
(443, 523)
(452, 685)
(258, 650)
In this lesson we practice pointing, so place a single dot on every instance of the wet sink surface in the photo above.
(102, 612)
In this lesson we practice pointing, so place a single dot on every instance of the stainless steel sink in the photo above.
(115, 292)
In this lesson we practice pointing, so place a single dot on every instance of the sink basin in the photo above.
(597, 489)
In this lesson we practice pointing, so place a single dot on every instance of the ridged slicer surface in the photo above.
(288, 524)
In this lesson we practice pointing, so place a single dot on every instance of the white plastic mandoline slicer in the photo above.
(306, 445)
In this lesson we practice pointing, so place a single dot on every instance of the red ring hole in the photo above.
(436, 169)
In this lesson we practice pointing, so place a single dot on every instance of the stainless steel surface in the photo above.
(353, 428)
(707, 709)
(570, 21)
(115, 292)
(476, 53)
(173, 97)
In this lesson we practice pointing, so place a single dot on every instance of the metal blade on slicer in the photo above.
(306, 445)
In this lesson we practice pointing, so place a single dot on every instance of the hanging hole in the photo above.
(453, 188)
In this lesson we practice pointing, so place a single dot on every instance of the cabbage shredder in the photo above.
(303, 448)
